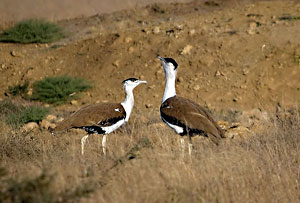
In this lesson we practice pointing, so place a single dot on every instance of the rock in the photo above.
(148, 106)
(219, 73)
(156, 30)
(192, 32)
(142, 77)
(243, 86)
(15, 54)
(130, 50)
(196, 87)
(51, 118)
(29, 93)
(180, 79)
(116, 63)
(47, 125)
(245, 71)
(128, 39)
(186, 50)
(29, 127)
(74, 102)
(252, 28)
(151, 86)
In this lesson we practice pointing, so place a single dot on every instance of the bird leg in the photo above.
(104, 139)
(182, 146)
(83, 141)
(190, 145)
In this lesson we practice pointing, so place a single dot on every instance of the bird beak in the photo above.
(142, 81)
(161, 58)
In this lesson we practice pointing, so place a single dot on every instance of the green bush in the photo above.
(57, 90)
(18, 115)
(32, 31)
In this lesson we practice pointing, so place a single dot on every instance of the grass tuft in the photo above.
(18, 115)
(19, 89)
(32, 31)
(57, 90)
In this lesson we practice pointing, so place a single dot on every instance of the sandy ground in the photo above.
(231, 56)
(65, 9)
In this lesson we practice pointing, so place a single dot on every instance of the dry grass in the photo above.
(145, 166)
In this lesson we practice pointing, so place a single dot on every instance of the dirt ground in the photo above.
(231, 55)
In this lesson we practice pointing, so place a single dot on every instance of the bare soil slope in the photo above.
(239, 56)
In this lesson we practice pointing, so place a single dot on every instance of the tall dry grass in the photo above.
(144, 164)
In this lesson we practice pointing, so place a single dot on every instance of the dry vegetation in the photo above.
(239, 59)
(144, 165)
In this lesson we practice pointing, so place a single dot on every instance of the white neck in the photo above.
(170, 90)
(128, 102)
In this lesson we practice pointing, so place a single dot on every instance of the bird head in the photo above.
(169, 65)
(131, 83)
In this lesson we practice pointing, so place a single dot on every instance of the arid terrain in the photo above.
(239, 59)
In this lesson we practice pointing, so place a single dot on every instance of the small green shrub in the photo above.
(19, 89)
(57, 90)
(32, 31)
(26, 115)
(18, 115)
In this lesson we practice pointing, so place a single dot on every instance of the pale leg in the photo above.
(182, 146)
(83, 141)
(190, 148)
(190, 145)
(104, 139)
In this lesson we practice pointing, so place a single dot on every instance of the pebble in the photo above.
(116, 63)
(130, 50)
(148, 106)
(156, 30)
(196, 87)
(51, 117)
(29, 93)
(235, 99)
(180, 79)
(252, 28)
(15, 54)
(74, 102)
(186, 50)
(192, 32)
(128, 39)
(245, 71)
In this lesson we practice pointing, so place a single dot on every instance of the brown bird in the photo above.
(102, 118)
(184, 116)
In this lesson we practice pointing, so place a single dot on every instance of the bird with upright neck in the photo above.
(184, 116)
(102, 118)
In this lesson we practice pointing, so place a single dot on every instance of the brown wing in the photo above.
(102, 114)
(192, 115)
